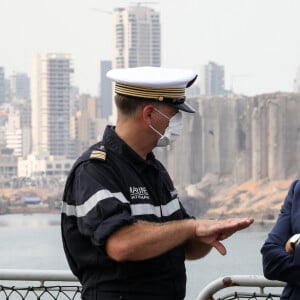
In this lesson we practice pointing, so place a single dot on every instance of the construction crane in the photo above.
(138, 3)
(101, 11)
(131, 3)
(143, 2)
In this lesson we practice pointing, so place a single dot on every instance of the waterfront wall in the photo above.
(247, 138)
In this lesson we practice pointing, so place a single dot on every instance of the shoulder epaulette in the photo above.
(99, 153)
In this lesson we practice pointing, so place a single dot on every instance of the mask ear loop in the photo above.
(161, 113)
(155, 130)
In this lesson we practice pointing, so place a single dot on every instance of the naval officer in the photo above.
(125, 232)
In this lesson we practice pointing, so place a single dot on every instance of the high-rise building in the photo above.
(2, 85)
(104, 106)
(136, 37)
(84, 130)
(20, 86)
(211, 79)
(50, 93)
(17, 137)
(7, 97)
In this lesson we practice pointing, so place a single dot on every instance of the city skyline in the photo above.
(256, 41)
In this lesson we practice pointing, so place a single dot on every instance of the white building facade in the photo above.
(14, 134)
(136, 40)
(136, 37)
(17, 136)
(50, 92)
(33, 165)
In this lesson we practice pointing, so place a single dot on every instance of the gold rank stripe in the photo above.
(150, 93)
(98, 154)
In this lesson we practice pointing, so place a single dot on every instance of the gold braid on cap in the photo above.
(150, 93)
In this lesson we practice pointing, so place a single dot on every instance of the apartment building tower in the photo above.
(136, 37)
(212, 79)
(20, 86)
(50, 93)
(17, 136)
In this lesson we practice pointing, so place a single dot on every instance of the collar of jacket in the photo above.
(114, 143)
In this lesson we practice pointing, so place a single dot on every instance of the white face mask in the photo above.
(173, 130)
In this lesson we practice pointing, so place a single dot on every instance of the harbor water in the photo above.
(33, 242)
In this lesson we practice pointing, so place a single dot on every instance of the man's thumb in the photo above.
(220, 247)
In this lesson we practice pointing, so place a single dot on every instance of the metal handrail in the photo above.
(37, 275)
(39, 284)
(208, 293)
(240, 281)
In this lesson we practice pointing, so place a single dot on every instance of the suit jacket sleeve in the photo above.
(277, 263)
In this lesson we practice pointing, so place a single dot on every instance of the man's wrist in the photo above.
(192, 224)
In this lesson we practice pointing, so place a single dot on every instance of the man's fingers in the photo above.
(235, 226)
(238, 224)
(246, 223)
(210, 230)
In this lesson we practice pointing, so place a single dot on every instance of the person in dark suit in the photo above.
(281, 250)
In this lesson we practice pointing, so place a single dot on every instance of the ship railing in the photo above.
(242, 287)
(23, 284)
(29, 284)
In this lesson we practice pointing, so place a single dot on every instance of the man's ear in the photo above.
(147, 113)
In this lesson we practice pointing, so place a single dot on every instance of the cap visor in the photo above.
(185, 107)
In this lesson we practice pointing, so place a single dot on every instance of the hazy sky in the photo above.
(258, 41)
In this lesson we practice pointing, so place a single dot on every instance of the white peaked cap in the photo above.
(165, 85)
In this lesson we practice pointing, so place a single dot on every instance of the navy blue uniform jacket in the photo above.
(111, 186)
(277, 263)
